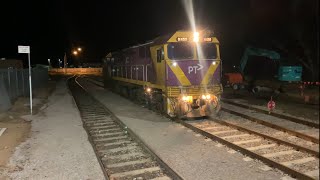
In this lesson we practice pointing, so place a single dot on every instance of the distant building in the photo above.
(11, 63)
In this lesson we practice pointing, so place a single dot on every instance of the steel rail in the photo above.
(84, 127)
(278, 115)
(279, 141)
(274, 126)
(162, 164)
(270, 162)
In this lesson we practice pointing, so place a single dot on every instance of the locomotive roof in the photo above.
(167, 38)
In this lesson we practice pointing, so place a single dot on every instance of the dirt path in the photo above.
(18, 128)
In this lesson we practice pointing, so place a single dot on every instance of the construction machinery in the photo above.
(263, 70)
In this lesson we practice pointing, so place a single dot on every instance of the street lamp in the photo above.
(79, 49)
(75, 52)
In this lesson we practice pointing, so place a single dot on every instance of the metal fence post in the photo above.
(17, 83)
(9, 83)
(22, 74)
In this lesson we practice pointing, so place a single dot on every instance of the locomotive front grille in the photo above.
(193, 91)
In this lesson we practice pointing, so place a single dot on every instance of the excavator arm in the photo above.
(251, 51)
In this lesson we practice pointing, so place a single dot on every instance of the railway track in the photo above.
(121, 154)
(295, 161)
(300, 130)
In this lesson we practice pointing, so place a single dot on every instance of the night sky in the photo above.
(54, 27)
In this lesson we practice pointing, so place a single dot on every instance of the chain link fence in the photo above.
(15, 83)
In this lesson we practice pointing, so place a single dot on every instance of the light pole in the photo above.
(76, 52)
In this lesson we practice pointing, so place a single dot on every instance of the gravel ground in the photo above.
(190, 155)
(58, 147)
(283, 105)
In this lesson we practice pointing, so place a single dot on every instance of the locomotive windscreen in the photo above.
(180, 51)
(209, 50)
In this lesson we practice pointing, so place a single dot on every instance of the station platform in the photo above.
(191, 155)
(58, 147)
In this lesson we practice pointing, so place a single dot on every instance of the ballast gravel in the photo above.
(58, 147)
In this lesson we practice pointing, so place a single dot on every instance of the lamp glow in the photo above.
(196, 37)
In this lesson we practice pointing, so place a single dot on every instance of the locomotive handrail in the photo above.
(131, 73)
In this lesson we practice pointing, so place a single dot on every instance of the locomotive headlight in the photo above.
(184, 98)
(203, 96)
(208, 97)
(214, 63)
(196, 37)
(174, 64)
(187, 99)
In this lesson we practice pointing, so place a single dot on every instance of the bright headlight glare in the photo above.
(187, 98)
(203, 96)
(148, 89)
(184, 98)
(174, 64)
(196, 37)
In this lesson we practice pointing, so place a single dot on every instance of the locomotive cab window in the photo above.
(180, 50)
(209, 51)
(160, 55)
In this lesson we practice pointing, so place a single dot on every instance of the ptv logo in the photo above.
(194, 69)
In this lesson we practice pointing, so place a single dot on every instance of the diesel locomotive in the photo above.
(177, 74)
